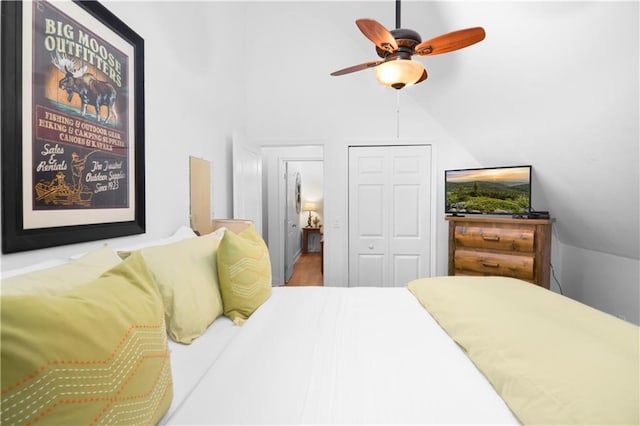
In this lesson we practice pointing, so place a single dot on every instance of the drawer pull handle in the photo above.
(491, 237)
(490, 264)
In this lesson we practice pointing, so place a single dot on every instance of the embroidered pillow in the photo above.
(244, 269)
(95, 354)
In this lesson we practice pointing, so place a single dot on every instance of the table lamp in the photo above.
(309, 207)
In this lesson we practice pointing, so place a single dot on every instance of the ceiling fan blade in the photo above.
(355, 68)
(450, 41)
(378, 34)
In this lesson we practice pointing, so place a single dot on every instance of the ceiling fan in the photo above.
(396, 47)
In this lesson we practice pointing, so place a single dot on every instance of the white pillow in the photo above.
(182, 233)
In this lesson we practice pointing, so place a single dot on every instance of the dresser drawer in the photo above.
(504, 239)
(475, 262)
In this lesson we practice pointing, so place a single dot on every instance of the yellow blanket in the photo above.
(552, 360)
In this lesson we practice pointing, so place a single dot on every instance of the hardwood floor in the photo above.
(307, 271)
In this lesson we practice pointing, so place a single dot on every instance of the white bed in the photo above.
(331, 355)
(443, 350)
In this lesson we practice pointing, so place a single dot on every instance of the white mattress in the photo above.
(338, 355)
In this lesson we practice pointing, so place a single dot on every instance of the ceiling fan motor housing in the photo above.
(406, 40)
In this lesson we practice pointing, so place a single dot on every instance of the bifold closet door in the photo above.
(389, 214)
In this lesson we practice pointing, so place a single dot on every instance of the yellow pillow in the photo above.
(553, 360)
(187, 277)
(244, 269)
(96, 354)
(62, 278)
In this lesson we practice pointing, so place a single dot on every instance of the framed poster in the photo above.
(72, 80)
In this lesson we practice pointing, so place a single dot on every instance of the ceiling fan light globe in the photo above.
(400, 73)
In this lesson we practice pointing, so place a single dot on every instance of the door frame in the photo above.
(243, 153)
(275, 216)
(282, 214)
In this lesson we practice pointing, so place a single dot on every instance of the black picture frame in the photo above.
(17, 237)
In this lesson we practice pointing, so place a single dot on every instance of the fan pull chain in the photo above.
(398, 114)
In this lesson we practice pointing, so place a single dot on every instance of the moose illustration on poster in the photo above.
(80, 146)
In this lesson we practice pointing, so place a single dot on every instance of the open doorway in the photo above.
(284, 221)
(304, 219)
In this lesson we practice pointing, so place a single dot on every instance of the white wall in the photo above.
(606, 282)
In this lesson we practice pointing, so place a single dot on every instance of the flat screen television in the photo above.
(491, 190)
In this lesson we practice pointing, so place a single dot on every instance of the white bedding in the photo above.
(189, 363)
(333, 355)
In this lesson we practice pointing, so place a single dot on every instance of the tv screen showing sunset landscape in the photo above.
(497, 190)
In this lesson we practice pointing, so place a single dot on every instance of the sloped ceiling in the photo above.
(554, 85)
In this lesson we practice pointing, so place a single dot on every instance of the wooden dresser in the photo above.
(519, 248)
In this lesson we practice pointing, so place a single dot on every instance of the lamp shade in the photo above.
(399, 73)
(310, 206)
